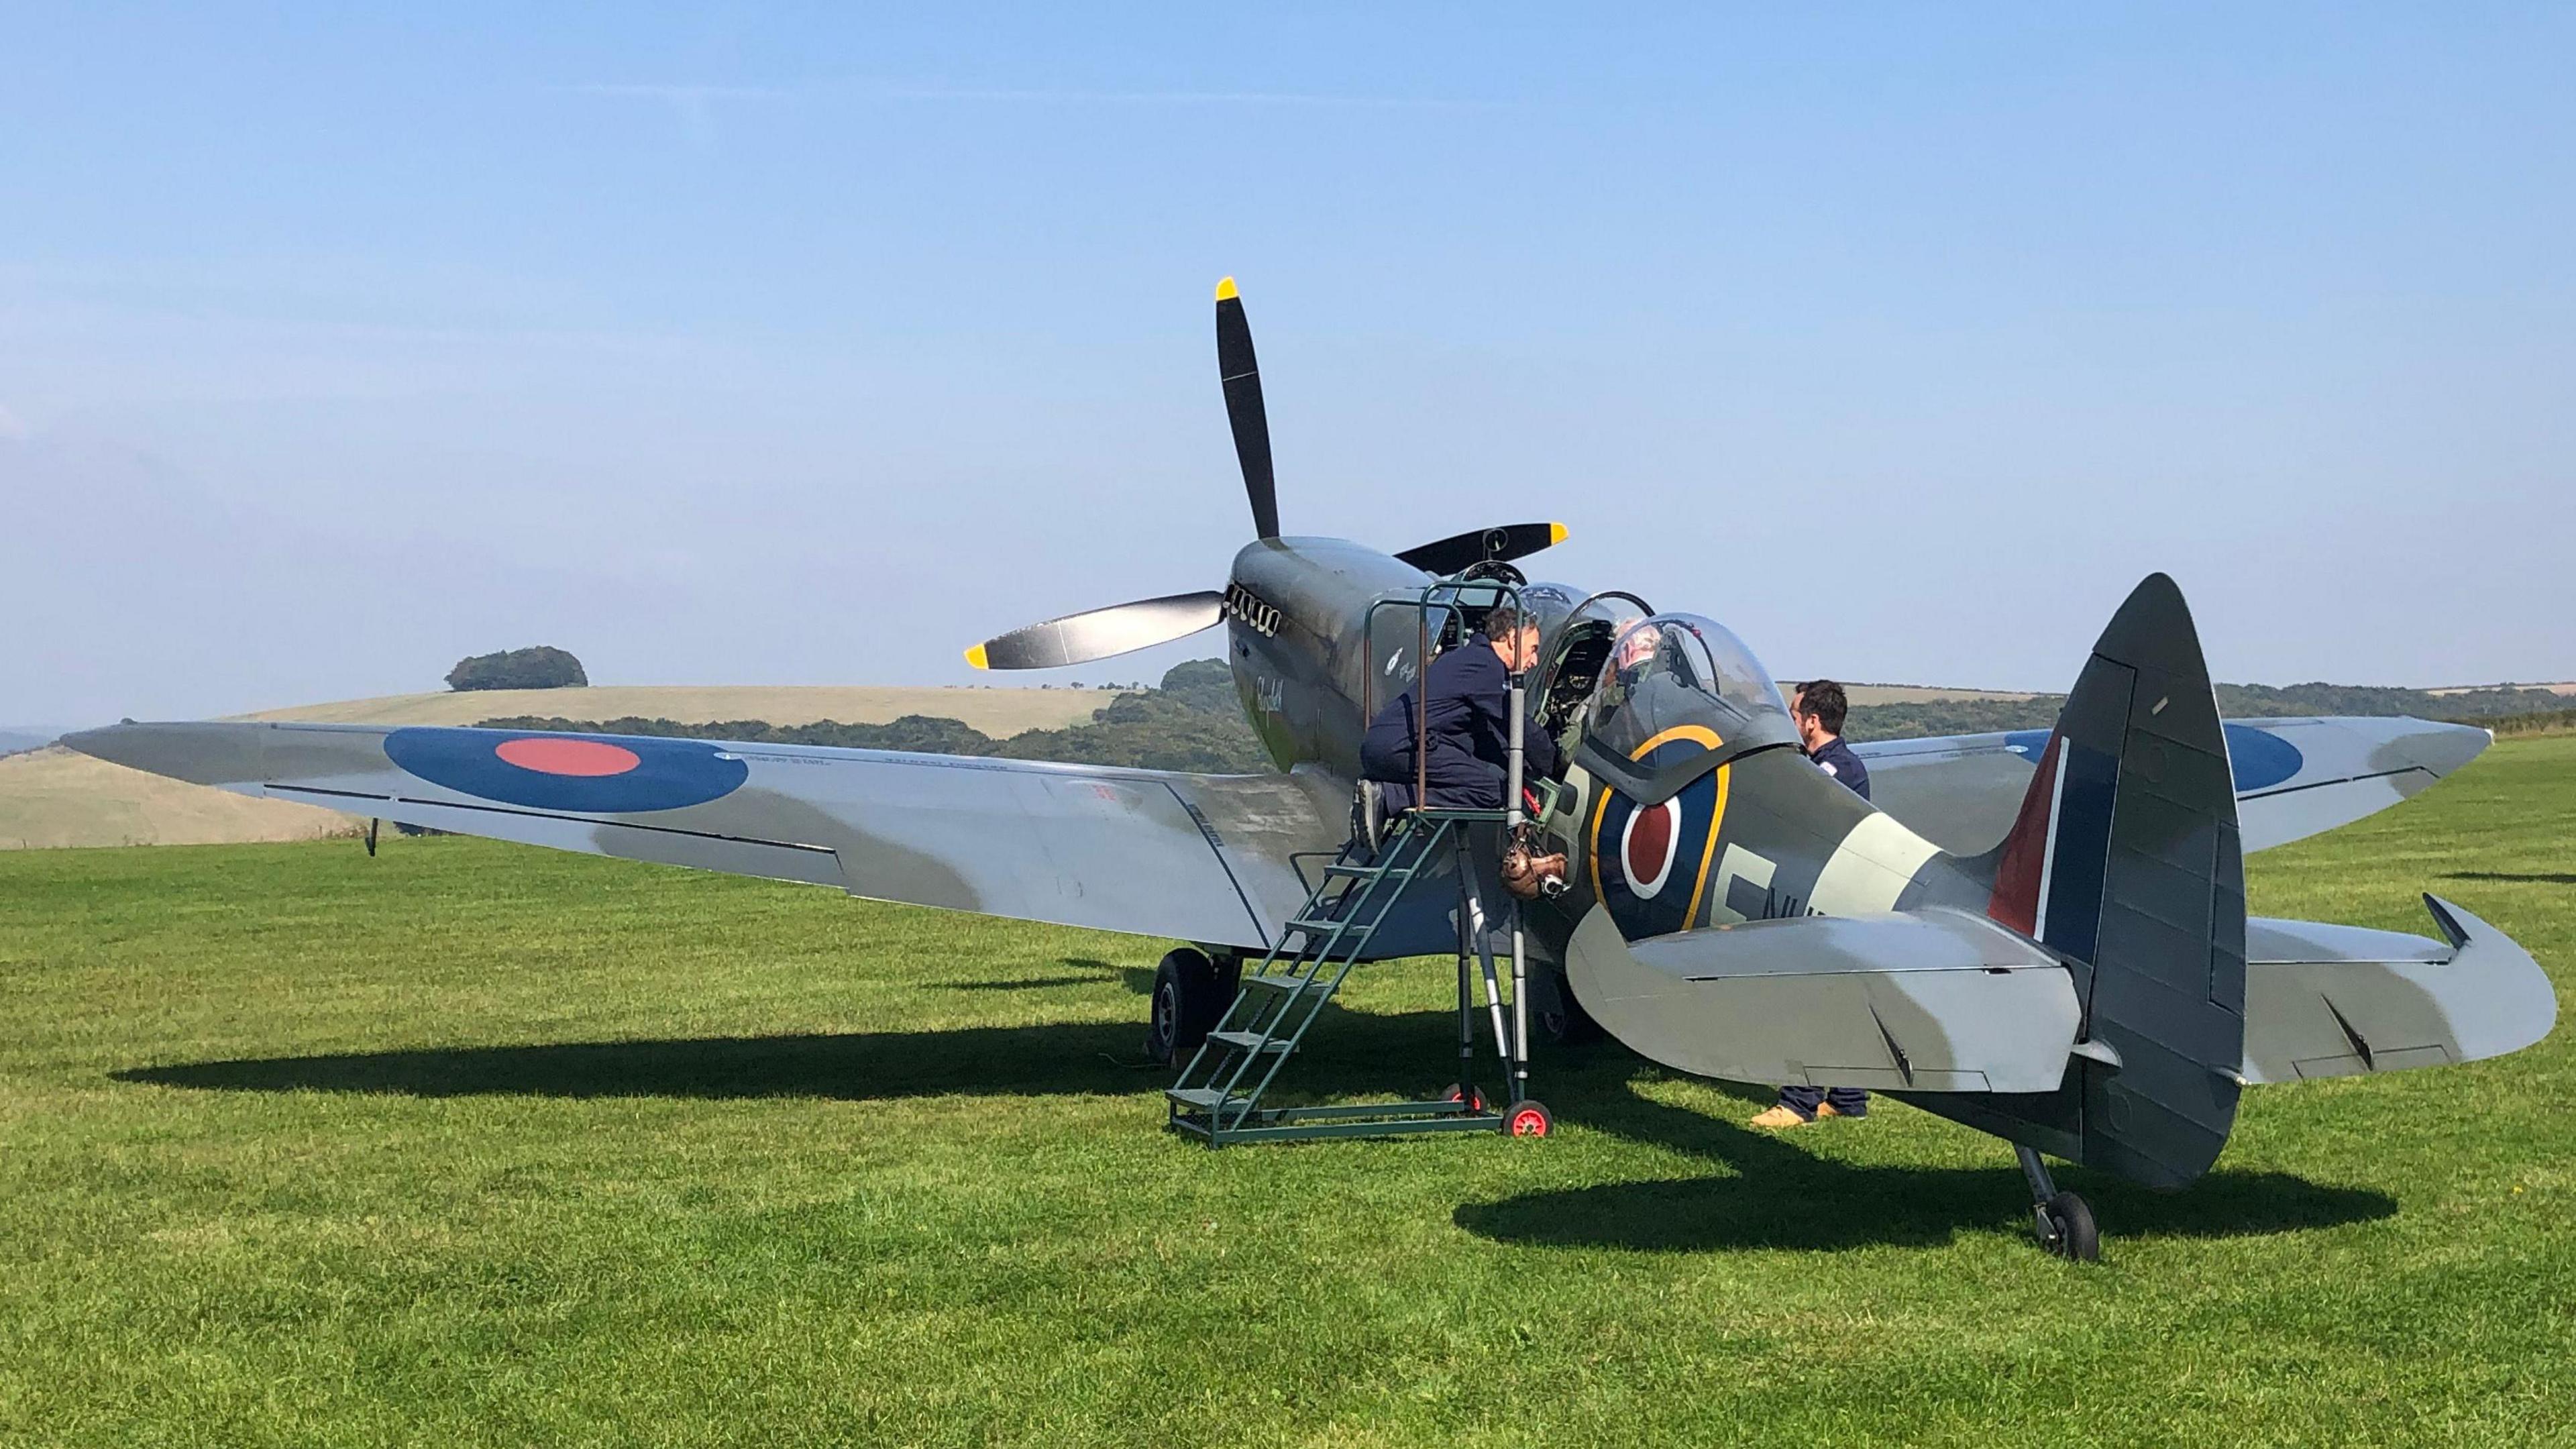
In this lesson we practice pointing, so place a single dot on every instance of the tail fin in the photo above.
(2125, 862)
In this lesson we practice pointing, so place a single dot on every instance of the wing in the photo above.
(2294, 777)
(1935, 1000)
(2333, 1001)
(1205, 858)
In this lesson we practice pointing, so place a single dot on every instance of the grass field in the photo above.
(473, 1144)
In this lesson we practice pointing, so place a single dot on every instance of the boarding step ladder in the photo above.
(1218, 1095)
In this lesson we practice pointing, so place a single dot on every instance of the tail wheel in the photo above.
(2071, 1234)
(1529, 1119)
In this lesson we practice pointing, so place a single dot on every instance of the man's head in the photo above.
(1637, 645)
(1819, 707)
(1515, 636)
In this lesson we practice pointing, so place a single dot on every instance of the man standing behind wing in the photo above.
(1820, 707)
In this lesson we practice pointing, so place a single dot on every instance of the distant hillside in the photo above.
(54, 797)
(1005, 710)
(16, 739)
(1191, 721)
(2235, 701)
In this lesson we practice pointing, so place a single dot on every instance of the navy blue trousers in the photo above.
(1458, 780)
(1850, 1101)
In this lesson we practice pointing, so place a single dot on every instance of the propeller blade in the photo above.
(1511, 540)
(1100, 633)
(1242, 378)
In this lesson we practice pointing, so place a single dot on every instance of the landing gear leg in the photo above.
(2064, 1220)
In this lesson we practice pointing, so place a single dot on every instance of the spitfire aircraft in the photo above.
(2040, 935)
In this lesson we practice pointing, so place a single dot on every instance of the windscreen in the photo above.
(1672, 672)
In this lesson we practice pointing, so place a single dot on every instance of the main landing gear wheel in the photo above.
(1188, 997)
(2066, 1229)
(1529, 1119)
(1562, 1019)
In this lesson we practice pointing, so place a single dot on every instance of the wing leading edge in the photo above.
(1206, 858)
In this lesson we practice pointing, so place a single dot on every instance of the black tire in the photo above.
(1186, 1003)
(1562, 1019)
(1474, 1097)
(1529, 1119)
(2070, 1221)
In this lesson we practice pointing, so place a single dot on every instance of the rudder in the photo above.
(2125, 862)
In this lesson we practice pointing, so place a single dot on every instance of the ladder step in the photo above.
(1206, 1099)
(1248, 1041)
(1315, 926)
(1355, 872)
(1289, 984)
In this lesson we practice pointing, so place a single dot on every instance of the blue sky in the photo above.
(781, 346)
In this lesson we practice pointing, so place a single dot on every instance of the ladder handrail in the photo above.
(1439, 832)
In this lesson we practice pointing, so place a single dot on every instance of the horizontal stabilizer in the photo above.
(1934, 1000)
(2335, 1001)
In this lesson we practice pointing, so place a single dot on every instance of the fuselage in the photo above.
(1707, 814)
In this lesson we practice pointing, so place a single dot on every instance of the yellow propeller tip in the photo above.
(1555, 534)
(975, 656)
(1225, 290)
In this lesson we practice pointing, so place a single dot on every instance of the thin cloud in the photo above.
(691, 103)
(677, 93)
(1180, 98)
(697, 95)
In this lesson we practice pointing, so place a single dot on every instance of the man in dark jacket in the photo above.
(1469, 722)
(1819, 707)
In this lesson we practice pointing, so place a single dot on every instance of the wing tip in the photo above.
(1225, 291)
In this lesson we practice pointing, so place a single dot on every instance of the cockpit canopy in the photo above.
(1672, 671)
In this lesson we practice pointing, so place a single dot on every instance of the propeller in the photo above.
(1459, 550)
(1100, 633)
(1241, 374)
(1122, 628)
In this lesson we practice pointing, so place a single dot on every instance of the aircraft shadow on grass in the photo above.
(1139, 980)
(1350, 1054)
(1777, 1195)
(2525, 877)
(1781, 1196)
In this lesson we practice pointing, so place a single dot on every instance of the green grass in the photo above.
(474, 1144)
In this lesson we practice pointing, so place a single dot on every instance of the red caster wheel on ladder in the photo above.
(1529, 1119)
(1473, 1097)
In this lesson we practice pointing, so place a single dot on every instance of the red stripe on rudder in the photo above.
(2015, 901)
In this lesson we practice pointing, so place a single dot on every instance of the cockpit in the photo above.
(1674, 676)
(1578, 639)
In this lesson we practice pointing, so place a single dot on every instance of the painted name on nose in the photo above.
(587, 758)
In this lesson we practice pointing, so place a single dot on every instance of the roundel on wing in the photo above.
(2260, 759)
(1650, 862)
(591, 774)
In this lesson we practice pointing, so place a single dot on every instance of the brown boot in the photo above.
(1780, 1117)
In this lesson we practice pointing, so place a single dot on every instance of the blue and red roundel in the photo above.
(593, 774)
(1650, 862)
